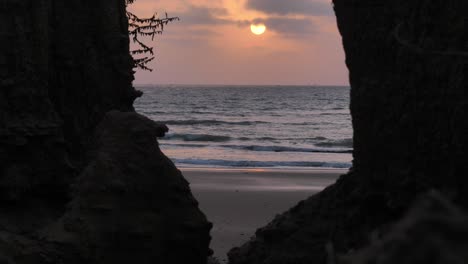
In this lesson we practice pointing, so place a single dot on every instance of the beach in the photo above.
(239, 201)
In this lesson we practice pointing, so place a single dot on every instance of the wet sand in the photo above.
(238, 201)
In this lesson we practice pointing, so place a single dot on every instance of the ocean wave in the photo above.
(197, 137)
(259, 139)
(261, 148)
(185, 145)
(214, 138)
(254, 164)
(214, 122)
(322, 123)
(335, 114)
(320, 138)
(347, 143)
(210, 122)
(286, 149)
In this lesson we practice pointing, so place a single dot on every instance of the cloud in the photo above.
(196, 16)
(290, 27)
(285, 7)
(201, 15)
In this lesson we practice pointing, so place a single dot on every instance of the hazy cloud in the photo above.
(291, 27)
(284, 7)
(200, 15)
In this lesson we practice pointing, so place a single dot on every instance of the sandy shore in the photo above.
(238, 201)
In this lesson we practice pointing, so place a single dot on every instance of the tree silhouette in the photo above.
(144, 27)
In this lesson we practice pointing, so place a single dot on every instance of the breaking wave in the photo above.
(260, 164)
(198, 137)
(210, 122)
(264, 148)
(347, 143)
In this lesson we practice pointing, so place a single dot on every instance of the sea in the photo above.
(231, 126)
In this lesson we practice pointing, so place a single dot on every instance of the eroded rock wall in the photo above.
(32, 147)
(131, 204)
(91, 66)
(433, 231)
(63, 66)
(409, 102)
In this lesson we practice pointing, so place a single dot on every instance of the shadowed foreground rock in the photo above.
(63, 66)
(434, 231)
(130, 205)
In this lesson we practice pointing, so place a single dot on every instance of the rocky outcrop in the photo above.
(80, 184)
(407, 63)
(434, 231)
(132, 199)
(129, 205)
(63, 66)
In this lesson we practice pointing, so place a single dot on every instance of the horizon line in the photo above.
(214, 84)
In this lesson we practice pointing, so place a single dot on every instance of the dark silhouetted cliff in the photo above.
(64, 65)
(409, 105)
(67, 195)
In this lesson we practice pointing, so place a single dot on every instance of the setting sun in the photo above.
(258, 29)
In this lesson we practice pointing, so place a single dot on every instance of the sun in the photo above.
(258, 29)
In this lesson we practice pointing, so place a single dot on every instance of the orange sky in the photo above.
(213, 43)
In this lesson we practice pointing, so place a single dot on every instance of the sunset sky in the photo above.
(213, 43)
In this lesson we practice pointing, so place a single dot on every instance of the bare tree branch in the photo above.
(145, 27)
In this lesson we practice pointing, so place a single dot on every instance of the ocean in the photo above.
(252, 126)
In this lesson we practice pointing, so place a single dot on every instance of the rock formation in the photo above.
(434, 231)
(407, 63)
(64, 65)
(131, 198)
(80, 184)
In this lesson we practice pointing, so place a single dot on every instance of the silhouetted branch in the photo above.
(145, 27)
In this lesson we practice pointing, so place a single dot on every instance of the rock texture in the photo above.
(131, 204)
(407, 63)
(63, 66)
(80, 183)
(409, 103)
(434, 231)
